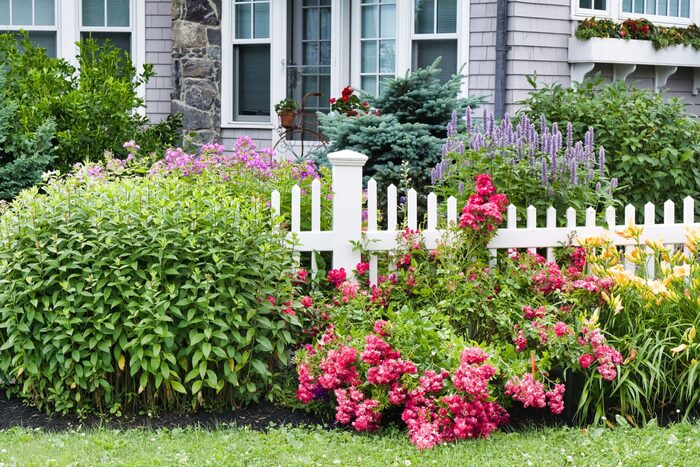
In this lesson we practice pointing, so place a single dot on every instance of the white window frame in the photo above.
(442, 36)
(31, 28)
(615, 13)
(278, 72)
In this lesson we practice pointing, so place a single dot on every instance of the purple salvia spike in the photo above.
(468, 119)
(573, 169)
(569, 135)
(591, 174)
(601, 161)
(543, 173)
(543, 123)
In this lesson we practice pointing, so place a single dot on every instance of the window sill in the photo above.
(248, 125)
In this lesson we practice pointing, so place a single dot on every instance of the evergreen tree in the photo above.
(407, 126)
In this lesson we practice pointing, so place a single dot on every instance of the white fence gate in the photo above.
(347, 220)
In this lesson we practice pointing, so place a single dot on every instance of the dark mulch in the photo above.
(14, 413)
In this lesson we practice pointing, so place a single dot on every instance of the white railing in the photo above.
(347, 221)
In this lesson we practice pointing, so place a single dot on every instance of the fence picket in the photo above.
(688, 215)
(372, 226)
(630, 218)
(296, 208)
(451, 210)
(531, 217)
(590, 217)
(610, 218)
(315, 219)
(511, 217)
(669, 216)
(649, 220)
(551, 224)
(432, 211)
(412, 200)
(391, 208)
(275, 203)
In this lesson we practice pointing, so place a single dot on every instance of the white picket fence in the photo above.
(347, 220)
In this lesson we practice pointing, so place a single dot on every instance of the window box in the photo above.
(626, 55)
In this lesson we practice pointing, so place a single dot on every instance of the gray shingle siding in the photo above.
(159, 54)
(262, 138)
(538, 32)
(482, 49)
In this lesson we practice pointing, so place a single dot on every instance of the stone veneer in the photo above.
(196, 90)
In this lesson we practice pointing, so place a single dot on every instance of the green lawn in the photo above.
(676, 445)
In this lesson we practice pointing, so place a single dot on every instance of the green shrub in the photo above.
(24, 156)
(141, 293)
(406, 127)
(651, 142)
(94, 105)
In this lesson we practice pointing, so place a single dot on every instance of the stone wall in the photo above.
(196, 93)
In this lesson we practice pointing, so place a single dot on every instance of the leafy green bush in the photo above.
(136, 293)
(94, 105)
(651, 142)
(24, 156)
(407, 126)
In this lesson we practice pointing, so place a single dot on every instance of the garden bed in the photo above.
(14, 414)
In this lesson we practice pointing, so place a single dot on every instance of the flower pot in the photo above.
(287, 118)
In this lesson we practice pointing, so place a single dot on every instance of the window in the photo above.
(251, 60)
(309, 54)
(675, 8)
(435, 35)
(377, 43)
(600, 5)
(37, 17)
(107, 20)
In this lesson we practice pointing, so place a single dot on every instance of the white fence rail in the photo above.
(347, 220)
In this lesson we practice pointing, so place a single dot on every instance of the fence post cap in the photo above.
(347, 158)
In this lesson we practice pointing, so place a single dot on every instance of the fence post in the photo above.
(347, 207)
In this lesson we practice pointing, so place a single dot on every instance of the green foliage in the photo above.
(24, 155)
(651, 142)
(94, 105)
(640, 29)
(141, 293)
(407, 125)
(387, 143)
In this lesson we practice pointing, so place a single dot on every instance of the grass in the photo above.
(675, 445)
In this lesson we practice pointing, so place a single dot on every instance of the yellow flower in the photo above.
(611, 255)
(635, 255)
(615, 302)
(681, 271)
(656, 245)
(632, 231)
(657, 288)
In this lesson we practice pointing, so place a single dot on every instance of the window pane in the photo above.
(387, 57)
(45, 39)
(369, 84)
(650, 7)
(447, 16)
(44, 13)
(369, 57)
(118, 13)
(310, 53)
(262, 20)
(311, 28)
(673, 8)
(599, 5)
(325, 58)
(93, 13)
(425, 15)
(639, 6)
(22, 12)
(243, 19)
(388, 21)
(427, 52)
(325, 23)
(585, 3)
(253, 80)
(4, 11)
(663, 9)
(120, 40)
(685, 8)
(370, 21)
